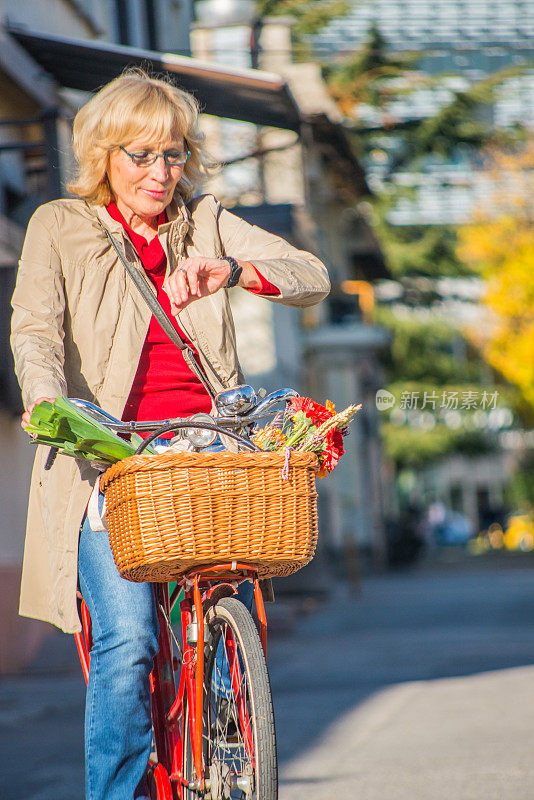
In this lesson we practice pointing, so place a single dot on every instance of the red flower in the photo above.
(333, 450)
(314, 411)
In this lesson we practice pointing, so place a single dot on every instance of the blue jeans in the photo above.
(118, 729)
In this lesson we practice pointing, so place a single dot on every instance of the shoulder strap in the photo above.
(141, 282)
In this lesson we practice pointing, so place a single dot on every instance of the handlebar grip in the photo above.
(51, 458)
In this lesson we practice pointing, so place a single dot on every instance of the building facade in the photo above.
(462, 41)
(35, 119)
(304, 187)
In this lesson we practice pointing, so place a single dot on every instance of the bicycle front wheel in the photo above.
(239, 734)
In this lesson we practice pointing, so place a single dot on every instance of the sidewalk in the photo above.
(422, 688)
(462, 738)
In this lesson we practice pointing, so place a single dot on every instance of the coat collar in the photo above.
(179, 223)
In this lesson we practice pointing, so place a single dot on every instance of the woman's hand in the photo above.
(25, 421)
(199, 277)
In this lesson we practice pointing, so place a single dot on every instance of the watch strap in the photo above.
(235, 272)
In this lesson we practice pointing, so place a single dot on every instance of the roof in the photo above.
(262, 98)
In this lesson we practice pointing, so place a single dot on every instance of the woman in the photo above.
(80, 328)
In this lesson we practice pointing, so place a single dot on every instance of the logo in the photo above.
(384, 400)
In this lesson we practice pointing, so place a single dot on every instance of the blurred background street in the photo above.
(420, 687)
(394, 139)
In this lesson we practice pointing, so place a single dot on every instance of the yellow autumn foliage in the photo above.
(500, 243)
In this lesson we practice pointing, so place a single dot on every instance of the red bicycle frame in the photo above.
(202, 587)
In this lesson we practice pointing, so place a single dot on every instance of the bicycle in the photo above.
(214, 734)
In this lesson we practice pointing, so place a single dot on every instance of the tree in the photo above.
(439, 381)
(500, 244)
(430, 354)
(365, 87)
(309, 16)
(375, 77)
(366, 77)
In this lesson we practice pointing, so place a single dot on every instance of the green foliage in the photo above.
(412, 250)
(366, 77)
(459, 121)
(417, 448)
(520, 494)
(426, 351)
(431, 362)
(375, 76)
(310, 17)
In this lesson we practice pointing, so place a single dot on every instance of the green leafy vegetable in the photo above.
(76, 433)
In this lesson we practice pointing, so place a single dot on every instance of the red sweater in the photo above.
(164, 386)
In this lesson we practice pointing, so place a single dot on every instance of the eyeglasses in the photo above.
(173, 158)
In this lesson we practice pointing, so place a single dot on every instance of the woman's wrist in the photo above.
(249, 277)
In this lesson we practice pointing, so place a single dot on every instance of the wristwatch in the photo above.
(235, 272)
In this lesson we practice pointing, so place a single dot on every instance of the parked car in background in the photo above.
(448, 528)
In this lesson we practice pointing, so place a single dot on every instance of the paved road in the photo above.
(421, 688)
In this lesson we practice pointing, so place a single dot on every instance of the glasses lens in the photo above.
(143, 159)
(146, 158)
(174, 158)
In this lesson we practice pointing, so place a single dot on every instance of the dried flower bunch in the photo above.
(309, 426)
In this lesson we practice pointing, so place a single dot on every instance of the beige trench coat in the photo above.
(78, 329)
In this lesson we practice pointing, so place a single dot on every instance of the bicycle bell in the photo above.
(238, 400)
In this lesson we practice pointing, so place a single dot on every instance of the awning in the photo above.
(250, 95)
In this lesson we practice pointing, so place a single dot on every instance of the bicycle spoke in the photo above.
(238, 740)
(227, 740)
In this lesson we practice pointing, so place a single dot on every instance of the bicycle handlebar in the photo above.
(225, 425)
(174, 426)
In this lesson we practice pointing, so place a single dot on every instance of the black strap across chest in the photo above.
(141, 282)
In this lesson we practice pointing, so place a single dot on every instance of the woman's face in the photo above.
(144, 191)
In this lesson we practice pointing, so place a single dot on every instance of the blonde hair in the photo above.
(133, 105)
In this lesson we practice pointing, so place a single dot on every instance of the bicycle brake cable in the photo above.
(167, 620)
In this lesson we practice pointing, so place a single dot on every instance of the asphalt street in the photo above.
(421, 687)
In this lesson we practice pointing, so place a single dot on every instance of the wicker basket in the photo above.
(169, 513)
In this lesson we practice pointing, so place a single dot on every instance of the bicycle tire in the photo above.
(234, 773)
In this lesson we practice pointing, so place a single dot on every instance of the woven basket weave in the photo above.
(169, 513)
